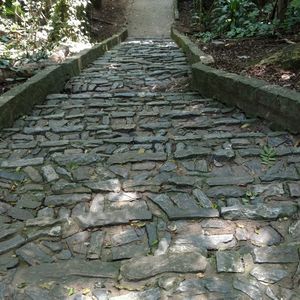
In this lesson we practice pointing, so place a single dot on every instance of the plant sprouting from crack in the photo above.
(268, 155)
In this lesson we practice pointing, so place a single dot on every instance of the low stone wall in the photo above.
(20, 100)
(256, 97)
(278, 105)
(193, 53)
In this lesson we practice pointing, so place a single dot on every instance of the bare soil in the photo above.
(242, 56)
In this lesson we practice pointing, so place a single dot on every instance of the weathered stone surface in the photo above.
(23, 162)
(294, 189)
(12, 176)
(225, 191)
(252, 291)
(116, 217)
(122, 158)
(209, 242)
(276, 254)
(260, 211)
(229, 180)
(49, 173)
(59, 200)
(189, 153)
(111, 185)
(68, 269)
(203, 200)
(19, 213)
(176, 213)
(229, 261)
(265, 236)
(77, 159)
(33, 255)
(146, 267)
(270, 273)
(11, 244)
(151, 294)
(96, 243)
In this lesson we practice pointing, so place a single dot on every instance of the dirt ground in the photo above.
(109, 19)
(242, 56)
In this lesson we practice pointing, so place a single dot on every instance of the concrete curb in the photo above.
(193, 53)
(276, 104)
(20, 100)
(279, 105)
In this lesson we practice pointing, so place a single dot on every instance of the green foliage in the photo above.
(32, 28)
(268, 155)
(244, 18)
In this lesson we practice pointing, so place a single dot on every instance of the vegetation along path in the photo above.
(126, 187)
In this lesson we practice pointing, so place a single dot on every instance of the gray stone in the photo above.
(265, 236)
(11, 244)
(192, 152)
(128, 251)
(59, 200)
(202, 198)
(252, 291)
(226, 191)
(31, 200)
(270, 273)
(117, 217)
(68, 269)
(33, 254)
(151, 294)
(276, 254)
(209, 242)
(77, 159)
(46, 212)
(229, 180)
(294, 189)
(49, 173)
(273, 189)
(259, 211)
(122, 158)
(146, 267)
(100, 294)
(19, 163)
(8, 261)
(229, 261)
(280, 172)
(223, 154)
(64, 255)
(177, 213)
(111, 185)
(12, 176)
(96, 243)
(143, 166)
(33, 174)
(19, 213)
(121, 171)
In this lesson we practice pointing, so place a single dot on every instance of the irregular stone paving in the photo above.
(118, 189)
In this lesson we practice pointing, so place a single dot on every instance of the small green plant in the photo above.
(268, 155)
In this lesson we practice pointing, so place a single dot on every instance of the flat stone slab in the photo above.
(19, 163)
(146, 267)
(70, 199)
(229, 262)
(260, 211)
(270, 273)
(117, 217)
(276, 254)
(122, 158)
(177, 213)
(74, 268)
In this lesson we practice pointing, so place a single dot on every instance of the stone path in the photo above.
(150, 18)
(125, 187)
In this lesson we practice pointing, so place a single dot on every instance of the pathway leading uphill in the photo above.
(123, 187)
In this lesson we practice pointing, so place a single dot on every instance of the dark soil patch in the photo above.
(242, 56)
(108, 20)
